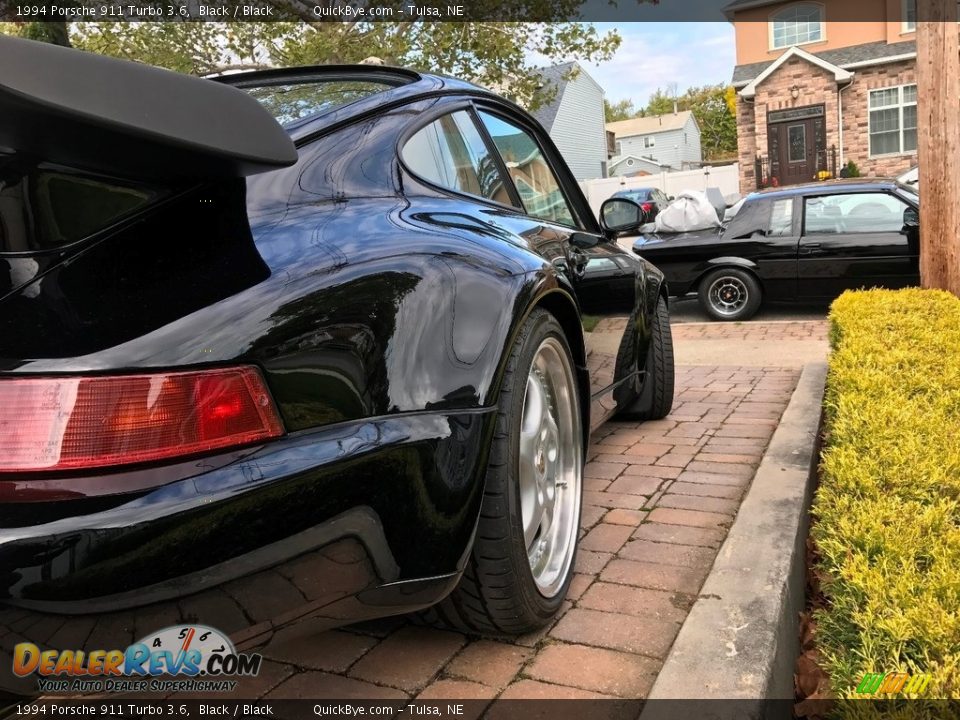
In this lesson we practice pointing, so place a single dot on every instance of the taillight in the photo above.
(64, 423)
(646, 207)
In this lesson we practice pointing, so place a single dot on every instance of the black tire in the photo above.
(656, 396)
(744, 289)
(497, 595)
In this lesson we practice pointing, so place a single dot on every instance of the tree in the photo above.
(492, 54)
(622, 110)
(714, 108)
(52, 32)
(938, 135)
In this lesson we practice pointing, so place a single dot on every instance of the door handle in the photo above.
(810, 248)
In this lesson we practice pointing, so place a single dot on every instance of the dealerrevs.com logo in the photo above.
(189, 658)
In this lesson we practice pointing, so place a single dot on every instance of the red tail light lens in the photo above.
(646, 207)
(68, 423)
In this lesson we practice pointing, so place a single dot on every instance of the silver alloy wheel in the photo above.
(728, 295)
(550, 467)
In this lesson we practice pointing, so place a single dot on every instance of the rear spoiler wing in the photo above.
(124, 118)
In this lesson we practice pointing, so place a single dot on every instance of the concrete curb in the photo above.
(739, 640)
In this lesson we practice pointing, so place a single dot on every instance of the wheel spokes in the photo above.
(550, 466)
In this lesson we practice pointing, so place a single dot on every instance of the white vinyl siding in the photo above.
(579, 129)
(893, 120)
(679, 149)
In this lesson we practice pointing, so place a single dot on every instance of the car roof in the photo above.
(829, 187)
(633, 191)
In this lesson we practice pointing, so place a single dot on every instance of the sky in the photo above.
(653, 55)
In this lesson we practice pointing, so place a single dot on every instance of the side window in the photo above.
(854, 213)
(531, 173)
(451, 153)
(781, 218)
(753, 219)
(45, 206)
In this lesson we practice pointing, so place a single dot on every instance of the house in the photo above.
(574, 118)
(818, 86)
(656, 143)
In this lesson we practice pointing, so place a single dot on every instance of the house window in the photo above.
(893, 120)
(796, 25)
(909, 15)
(909, 8)
(649, 142)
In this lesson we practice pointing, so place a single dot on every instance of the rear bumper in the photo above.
(345, 523)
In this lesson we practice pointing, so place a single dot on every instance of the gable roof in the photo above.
(646, 161)
(733, 7)
(875, 53)
(556, 75)
(839, 74)
(650, 125)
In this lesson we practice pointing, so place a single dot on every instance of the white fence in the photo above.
(724, 177)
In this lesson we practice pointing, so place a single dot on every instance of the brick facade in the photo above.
(817, 86)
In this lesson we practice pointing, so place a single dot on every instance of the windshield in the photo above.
(911, 190)
(291, 102)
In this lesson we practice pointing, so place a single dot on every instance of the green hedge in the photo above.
(887, 513)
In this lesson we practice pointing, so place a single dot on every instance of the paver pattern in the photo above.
(659, 498)
(779, 330)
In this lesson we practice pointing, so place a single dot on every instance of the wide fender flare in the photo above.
(728, 261)
(551, 290)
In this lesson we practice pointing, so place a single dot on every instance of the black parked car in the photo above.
(651, 200)
(251, 375)
(795, 244)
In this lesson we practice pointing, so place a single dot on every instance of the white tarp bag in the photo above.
(690, 211)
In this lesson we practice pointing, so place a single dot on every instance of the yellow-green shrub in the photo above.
(887, 513)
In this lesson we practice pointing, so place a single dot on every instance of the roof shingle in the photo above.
(841, 57)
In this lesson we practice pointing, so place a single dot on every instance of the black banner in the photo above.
(492, 709)
(413, 10)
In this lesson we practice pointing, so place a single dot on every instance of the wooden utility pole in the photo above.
(938, 140)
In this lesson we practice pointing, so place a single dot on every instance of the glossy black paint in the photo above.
(795, 264)
(380, 310)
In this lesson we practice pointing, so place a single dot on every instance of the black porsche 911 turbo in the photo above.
(253, 374)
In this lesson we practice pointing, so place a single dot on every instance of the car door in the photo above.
(855, 240)
(608, 280)
(764, 236)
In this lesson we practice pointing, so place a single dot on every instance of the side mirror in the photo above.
(911, 218)
(619, 215)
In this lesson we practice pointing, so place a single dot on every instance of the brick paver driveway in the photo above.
(658, 500)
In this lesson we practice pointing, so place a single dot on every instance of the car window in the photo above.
(451, 153)
(753, 219)
(781, 218)
(43, 207)
(535, 180)
(290, 102)
(853, 213)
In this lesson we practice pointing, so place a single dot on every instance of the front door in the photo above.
(796, 139)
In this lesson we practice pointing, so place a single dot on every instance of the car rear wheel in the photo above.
(730, 294)
(656, 396)
(522, 560)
